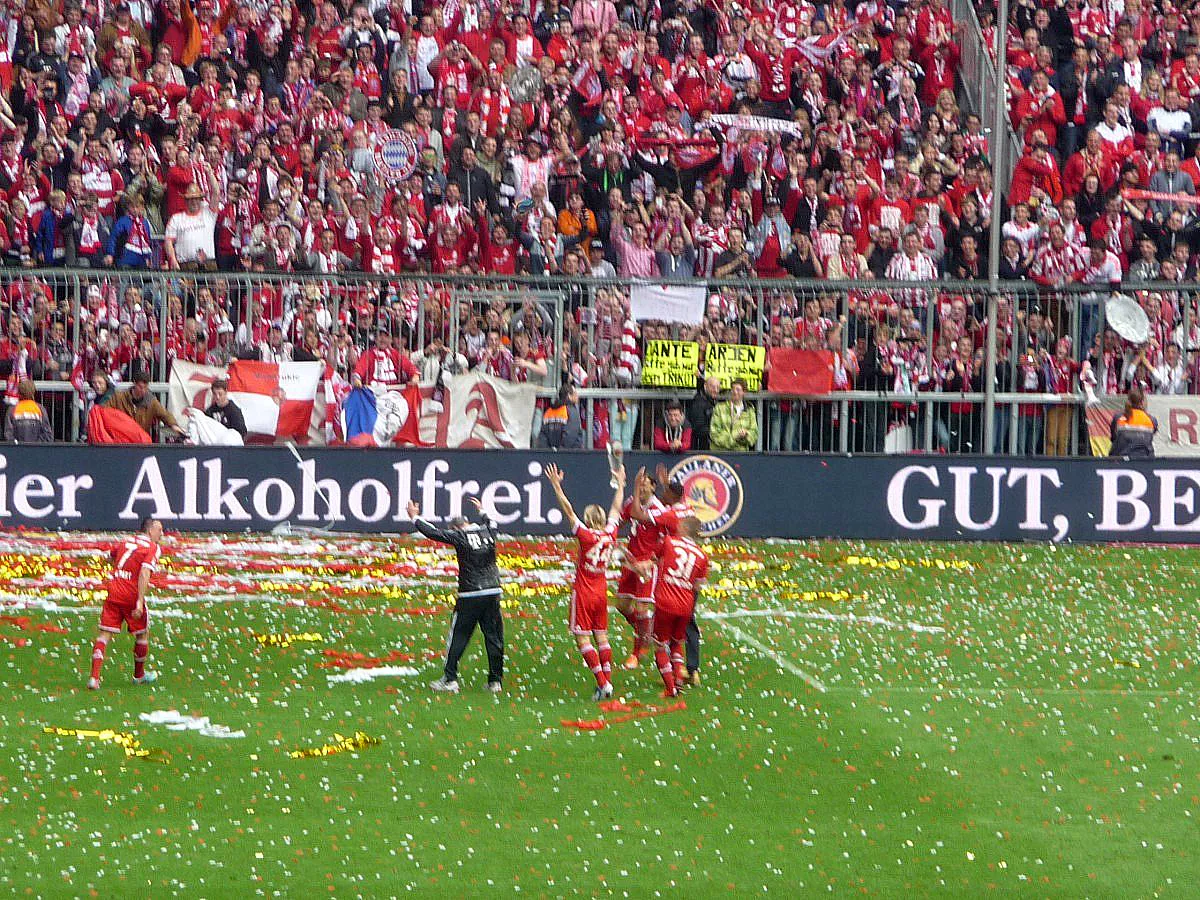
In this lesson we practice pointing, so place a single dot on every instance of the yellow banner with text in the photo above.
(675, 364)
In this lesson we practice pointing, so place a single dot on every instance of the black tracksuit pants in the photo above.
(484, 612)
(693, 645)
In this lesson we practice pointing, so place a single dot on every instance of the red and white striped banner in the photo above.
(280, 401)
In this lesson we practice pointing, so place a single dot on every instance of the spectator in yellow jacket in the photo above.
(734, 423)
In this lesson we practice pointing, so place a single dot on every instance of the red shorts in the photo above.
(670, 626)
(631, 585)
(114, 614)
(588, 613)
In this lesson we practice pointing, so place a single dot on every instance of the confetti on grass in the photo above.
(24, 623)
(344, 659)
(358, 741)
(123, 739)
(872, 562)
(286, 639)
(1011, 736)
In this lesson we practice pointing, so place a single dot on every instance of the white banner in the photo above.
(753, 123)
(1178, 420)
(669, 302)
(479, 411)
(206, 432)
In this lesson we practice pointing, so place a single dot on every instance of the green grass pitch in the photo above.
(879, 719)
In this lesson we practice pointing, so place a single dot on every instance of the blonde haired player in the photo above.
(597, 535)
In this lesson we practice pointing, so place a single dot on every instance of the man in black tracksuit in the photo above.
(479, 593)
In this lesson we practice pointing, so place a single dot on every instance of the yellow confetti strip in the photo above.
(359, 741)
(123, 739)
(871, 562)
(1129, 663)
(287, 639)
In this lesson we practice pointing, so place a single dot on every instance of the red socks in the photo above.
(677, 660)
(140, 652)
(98, 649)
(592, 658)
(663, 659)
(605, 653)
(644, 626)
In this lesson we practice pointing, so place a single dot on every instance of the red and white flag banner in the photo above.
(280, 401)
(1178, 418)
(479, 411)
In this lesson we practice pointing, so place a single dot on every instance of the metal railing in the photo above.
(977, 78)
(577, 324)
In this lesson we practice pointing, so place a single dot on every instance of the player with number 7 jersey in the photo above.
(682, 569)
(597, 536)
(135, 559)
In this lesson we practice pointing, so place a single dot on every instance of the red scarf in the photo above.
(485, 108)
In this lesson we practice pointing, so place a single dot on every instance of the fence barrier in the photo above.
(901, 390)
(977, 78)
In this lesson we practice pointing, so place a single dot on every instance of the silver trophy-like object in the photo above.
(615, 461)
(525, 84)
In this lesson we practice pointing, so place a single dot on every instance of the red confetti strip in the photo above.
(344, 659)
(628, 716)
(26, 624)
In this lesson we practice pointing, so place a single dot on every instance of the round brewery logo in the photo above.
(713, 490)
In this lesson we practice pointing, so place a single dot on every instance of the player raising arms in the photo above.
(650, 521)
(597, 535)
(135, 560)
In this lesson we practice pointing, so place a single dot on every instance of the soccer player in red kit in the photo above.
(135, 559)
(650, 521)
(682, 568)
(597, 535)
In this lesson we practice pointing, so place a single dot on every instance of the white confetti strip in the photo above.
(358, 676)
(177, 721)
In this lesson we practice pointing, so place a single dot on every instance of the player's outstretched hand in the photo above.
(554, 474)
(660, 472)
(642, 480)
(413, 510)
(475, 501)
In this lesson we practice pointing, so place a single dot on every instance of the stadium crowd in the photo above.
(208, 139)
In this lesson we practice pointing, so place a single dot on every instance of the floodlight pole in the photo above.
(998, 143)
